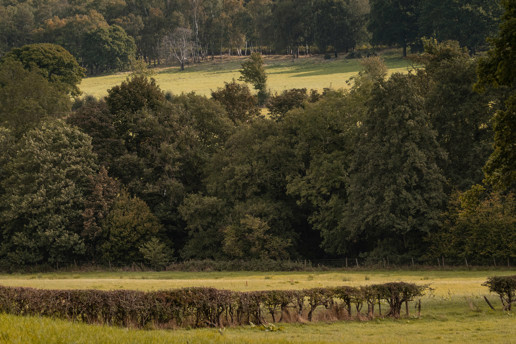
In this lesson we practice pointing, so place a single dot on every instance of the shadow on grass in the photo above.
(295, 68)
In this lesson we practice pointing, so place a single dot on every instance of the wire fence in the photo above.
(351, 263)
(438, 262)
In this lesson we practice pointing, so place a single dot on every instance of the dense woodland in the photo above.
(417, 165)
(106, 35)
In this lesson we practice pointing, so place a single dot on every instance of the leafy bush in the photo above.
(505, 287)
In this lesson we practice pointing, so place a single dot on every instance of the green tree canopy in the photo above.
(253, 72)
(107, 49)
(129, 225)
(470, 22)
(458, 113)
(238, 101)
(479, 226)
(45, 181)
(53, 62)
(26, 98)
(499, 70)
(394, 22)
(396, 187)
(204, 217)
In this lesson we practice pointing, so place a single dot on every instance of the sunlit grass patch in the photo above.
(453, 312)
(283, 73)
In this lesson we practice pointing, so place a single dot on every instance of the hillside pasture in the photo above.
(283, 73)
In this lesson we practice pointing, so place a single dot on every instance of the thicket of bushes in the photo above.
(208, 307)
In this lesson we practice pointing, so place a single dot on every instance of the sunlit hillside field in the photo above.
(283, 73)
(453, 312)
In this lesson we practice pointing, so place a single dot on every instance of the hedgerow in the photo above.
(207, 307)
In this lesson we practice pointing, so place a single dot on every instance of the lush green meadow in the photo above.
(283, 73)
(454, 311)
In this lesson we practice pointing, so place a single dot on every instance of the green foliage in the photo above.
(238, 101)
(470, 22)
(396, 188)
(253, 72)
(498, 70)
(500, 169)
(129, 225)
(250, 174)
(136, 93)
(26, 98)
(53, 62)
(155, 253)
(251, 238)
(44, 182)
(100, 196)
(108, 49)
(93, 117)
(339, 24)
(126, 103)
(394, 22)
(505, 287)
(458, 114)
(204, 217)
(140, 68)
(323, 136)
(280, 104)
(478, 225)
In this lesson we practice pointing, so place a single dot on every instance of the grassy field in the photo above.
(283, 73)
(454, 312)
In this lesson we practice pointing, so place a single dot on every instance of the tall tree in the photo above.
(498, 70)
(26, 97)
(128, 226)
(179, 45)
(396, 187)
(253, 72)
(339, 24)
(394, 22)
(469, 22)
(107, 49)
(291, 22)
(458, 113)
(45, 182)
(250, 174)
(53, 62)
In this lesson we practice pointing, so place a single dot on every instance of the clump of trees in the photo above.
(104, 36)
(415, 165)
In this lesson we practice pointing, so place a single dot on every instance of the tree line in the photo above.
(412, 165)
(106, 35)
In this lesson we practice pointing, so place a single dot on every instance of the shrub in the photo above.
(505, 287)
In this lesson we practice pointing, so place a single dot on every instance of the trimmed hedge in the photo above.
(505, 287)
(207, 307)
